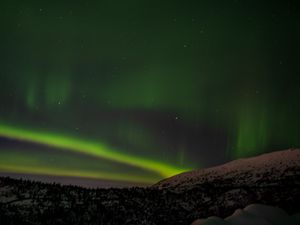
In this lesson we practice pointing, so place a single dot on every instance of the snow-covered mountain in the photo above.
(271, 169)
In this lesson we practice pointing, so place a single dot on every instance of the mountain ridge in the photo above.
(279, 164)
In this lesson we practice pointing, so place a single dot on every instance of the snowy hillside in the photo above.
(268, 169)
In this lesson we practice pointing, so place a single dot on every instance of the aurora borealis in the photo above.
(136, 91)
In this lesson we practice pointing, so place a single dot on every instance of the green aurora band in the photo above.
(142, 90)
(52, 171)
(88, 148)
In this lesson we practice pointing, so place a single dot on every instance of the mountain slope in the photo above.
(269, 169)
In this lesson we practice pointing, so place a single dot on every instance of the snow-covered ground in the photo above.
(254, 214)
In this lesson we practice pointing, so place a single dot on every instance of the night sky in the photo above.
(131, 92)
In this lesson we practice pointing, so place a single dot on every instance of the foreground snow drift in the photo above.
(254, 214)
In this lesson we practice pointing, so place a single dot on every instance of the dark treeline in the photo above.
(27, 202)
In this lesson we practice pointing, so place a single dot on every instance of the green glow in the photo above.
(58, 89)
(87, 147)
(31, 88)
(154, 90)
(67, 160)
(110, 84)
(67, 164)
(31, 96)
(251, 133)
(74, 173)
